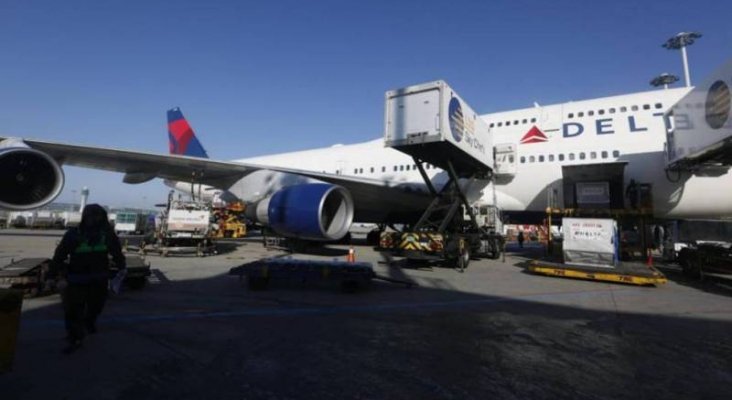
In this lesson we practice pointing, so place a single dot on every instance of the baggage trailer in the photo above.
(31, 275)
(431, 123)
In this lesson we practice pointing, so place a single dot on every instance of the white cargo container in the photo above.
(433, 123)
(129, 222)
(590, 242)
(702, 124)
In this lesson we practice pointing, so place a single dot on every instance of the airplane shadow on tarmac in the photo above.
(211, 337)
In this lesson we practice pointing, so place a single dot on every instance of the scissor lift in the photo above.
(432, 124)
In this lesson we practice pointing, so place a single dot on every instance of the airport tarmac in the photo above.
(491, 332)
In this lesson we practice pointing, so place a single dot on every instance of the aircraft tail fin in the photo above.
(181, 138)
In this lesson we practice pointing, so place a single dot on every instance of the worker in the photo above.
(521, 239)
(87, 249)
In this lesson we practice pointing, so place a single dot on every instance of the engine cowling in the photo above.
(29, 178)
(316, 211)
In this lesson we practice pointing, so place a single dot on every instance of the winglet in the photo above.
(181, 138)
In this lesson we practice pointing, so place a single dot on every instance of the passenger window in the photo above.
(510, 159)
(523, 159)
(355, 171)
(383, 169)
(541, 158)
(492, 124)
(634, 108)
(604, 154)
(616, 153)
(525, 121)
(551, 157)
(593, 155)
(658, 105)
(533, 120)
(401, 168)
(515, 122)
(532, 159)
(582, 155)
(395, 168)
(590, 113)
(623, 109)
(500, 124)
(580, 114)
(611, 110)
(561, 157)
(372, 170)
(570, 115)
(601, 112)
(646, 107)
(508, 123)
(571, 156)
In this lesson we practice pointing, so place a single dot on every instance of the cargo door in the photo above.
(505, 159)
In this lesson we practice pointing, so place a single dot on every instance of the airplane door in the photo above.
(341, 167)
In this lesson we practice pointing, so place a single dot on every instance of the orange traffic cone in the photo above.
(351, 257)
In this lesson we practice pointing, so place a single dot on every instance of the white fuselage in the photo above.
(628, 128)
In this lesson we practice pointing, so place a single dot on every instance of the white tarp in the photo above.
(590, 241)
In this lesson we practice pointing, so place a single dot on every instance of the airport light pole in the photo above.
(664, 79)
(680, 41)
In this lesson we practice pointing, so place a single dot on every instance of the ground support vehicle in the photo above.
(229, 221)
(185, 228)
(702, 259)
(431, 123)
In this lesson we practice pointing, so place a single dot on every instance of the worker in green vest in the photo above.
(82, 258)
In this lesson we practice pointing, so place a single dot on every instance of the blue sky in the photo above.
(256, 78)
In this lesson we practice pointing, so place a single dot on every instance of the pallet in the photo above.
(626, 273)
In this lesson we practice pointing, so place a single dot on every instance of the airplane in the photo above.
(317, 194)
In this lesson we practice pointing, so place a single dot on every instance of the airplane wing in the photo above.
(142, 166)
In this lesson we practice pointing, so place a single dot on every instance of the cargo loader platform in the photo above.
(628, 273)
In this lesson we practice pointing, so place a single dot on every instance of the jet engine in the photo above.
(316, 211)
(29, 178)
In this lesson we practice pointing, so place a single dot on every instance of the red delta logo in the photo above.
(534, 135)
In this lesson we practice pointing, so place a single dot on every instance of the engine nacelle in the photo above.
(29, 178)
(317, 211)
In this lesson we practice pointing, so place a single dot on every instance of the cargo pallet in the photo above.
(351, 276)
(627, 273)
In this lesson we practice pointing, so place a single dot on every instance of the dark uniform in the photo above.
(87, 274)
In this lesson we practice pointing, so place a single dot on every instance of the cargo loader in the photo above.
(433, 125)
